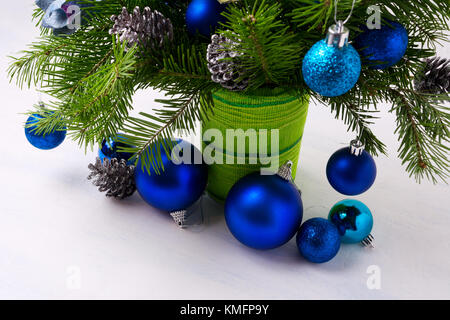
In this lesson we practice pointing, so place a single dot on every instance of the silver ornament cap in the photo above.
(338, 35)
(180, 218)
(356, 147)
(368, 242)
(285, 171)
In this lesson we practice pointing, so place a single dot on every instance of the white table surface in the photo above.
(60, 238)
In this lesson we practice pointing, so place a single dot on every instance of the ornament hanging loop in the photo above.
(336, 10)
(338, 34)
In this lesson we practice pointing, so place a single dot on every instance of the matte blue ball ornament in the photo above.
(40, 140)
(110, 149)
(203, 16)
(264, 211)
(353, 220)
(382, 48)
(180, 184)
(351, 170)
(318, 240)
(332, 66)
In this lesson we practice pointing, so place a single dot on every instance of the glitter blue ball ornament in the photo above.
(43, 141)
(203, 16)
(263, 211)
(349, 173)
(353, 220)
(110, 147)
(382, 48)
(180, 184)
(331, 70)
(318, 240)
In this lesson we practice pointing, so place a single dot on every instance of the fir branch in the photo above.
(423, 129)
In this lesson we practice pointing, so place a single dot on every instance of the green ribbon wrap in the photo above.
(258, 110)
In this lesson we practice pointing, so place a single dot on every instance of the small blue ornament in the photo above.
(43, 141)
(110, 149)
(204, 16)
(386, 45)
(264, 211)
(351, 170)
(318, 240)
(353, 220)
(332, 66)
(179, 185)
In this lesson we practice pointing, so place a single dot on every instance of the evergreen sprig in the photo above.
(92, 78)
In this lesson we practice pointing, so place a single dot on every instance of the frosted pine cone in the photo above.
(146, 29)
(222, 65)
(435, 77)
(113, 176)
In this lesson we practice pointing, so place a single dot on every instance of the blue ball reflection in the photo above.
(353, 220)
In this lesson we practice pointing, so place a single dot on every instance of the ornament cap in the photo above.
(180, 218)
(356, 147)
(285, 171)
(338, 35)
(368, 242)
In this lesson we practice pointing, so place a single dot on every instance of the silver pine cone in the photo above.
(222, 65)
(146, 29)
(435, 77)
(113, 176)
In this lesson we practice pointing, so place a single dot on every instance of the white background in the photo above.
(60, 238)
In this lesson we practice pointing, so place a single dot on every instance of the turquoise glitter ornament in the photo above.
(332, 66)
(353, 220)
(43, 141)
(382, 48)
(318, 240)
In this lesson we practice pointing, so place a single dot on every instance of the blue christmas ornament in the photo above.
(382, 48)
(43, 141)
(204, 16)
(264, 211)
(180, 184)
(110, 149)
(332, 66)
(353, 220)
(318, 240)
(351, 170)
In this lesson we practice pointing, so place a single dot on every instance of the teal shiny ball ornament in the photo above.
(203, 16)
(43, 141)
(353, 220)
(263, 211)
(180, 184)
(382, 48)
(318, 240)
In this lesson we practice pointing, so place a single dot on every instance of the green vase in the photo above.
(261, 111)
